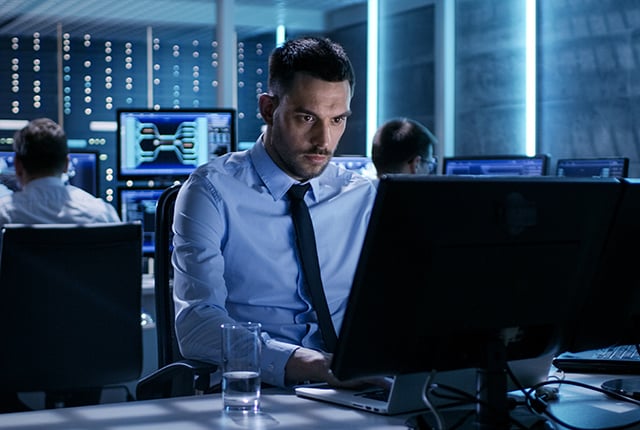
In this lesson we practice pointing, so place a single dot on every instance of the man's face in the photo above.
(305, 125)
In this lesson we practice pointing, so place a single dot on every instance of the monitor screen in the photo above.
(593, 167)
(171, 143)
(357, 163)
(458, 271)
(139, 204)
(82, 171)
(499, 165)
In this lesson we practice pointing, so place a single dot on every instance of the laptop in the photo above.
(403, 394)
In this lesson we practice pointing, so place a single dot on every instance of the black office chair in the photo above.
(70, 308)
(176, 376)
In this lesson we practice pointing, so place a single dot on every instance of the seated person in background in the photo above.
(235, 256)
(41, 158)
(404, 146)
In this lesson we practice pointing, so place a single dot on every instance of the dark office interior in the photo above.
(473, 71)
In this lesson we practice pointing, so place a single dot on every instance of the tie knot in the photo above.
(297, 191)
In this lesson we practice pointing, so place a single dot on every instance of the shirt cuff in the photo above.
(275, 355)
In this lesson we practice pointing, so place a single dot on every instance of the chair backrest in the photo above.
(168, 351)
(70, 305)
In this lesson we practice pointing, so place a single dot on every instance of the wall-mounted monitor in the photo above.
(602, 167)
(82, 171)
(139, 204)
(171, 143)
(497, 165)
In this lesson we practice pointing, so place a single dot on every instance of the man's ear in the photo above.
(267, 105)
(414, 164)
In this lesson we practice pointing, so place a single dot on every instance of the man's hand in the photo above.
(310, 365)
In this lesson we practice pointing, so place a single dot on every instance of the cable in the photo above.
(539, 404)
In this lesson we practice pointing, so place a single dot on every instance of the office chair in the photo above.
(176, 376)
(70, 308)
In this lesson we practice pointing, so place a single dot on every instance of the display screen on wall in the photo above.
(171, 143)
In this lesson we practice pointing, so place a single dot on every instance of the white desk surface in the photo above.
(283, 410)
(278, 411)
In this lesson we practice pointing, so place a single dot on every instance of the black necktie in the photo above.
(310, 266)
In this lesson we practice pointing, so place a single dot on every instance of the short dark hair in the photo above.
(398, 141)
(315, 56)
(41, 146)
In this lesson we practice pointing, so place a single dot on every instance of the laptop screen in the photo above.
(593, 167)
(499, 165)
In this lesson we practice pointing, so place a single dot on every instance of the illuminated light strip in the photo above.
(76, 143)
(280, 35)
(12, 124)
(103, 126)
(530, 92)
(372, 72)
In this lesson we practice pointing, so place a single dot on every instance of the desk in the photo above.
(282, 410)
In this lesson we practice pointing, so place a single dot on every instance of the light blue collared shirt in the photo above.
(48, 200)
(235, 254)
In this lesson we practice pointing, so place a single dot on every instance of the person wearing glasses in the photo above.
(403, 145)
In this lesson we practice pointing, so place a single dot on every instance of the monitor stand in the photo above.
(492, 408)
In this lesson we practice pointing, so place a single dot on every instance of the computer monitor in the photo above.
(139, 204)
(171, 143)
(357, 163)
(82, 171)
(461, 272)
(497, 165)
(603, 167)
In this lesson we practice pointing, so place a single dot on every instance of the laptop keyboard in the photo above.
(618, 352)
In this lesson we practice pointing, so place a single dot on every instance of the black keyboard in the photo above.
(618, 352)
(620, 359)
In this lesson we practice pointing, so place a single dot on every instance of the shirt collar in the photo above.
(46, 181)
(273, 177)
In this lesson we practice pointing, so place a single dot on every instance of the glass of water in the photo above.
(241, 349)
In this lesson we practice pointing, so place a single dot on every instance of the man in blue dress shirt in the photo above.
(235, 256)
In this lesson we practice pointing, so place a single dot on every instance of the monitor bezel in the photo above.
(132, 174)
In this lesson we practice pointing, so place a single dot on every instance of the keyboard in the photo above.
(617, 359)
(618, 352)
